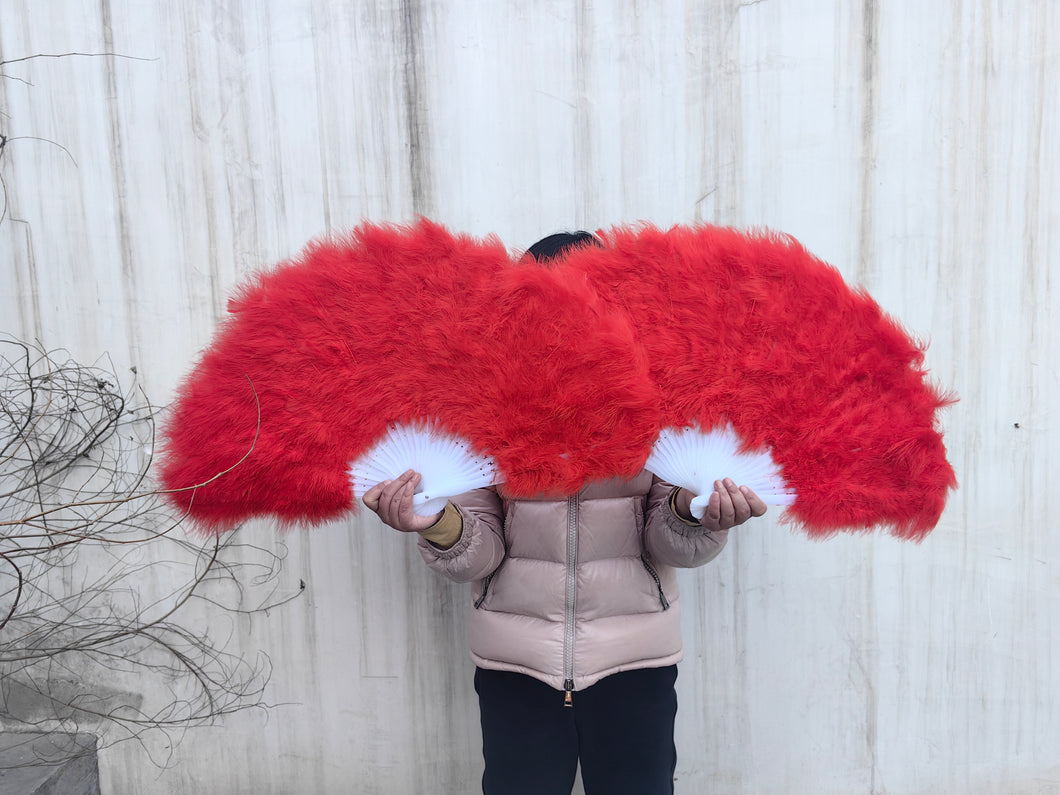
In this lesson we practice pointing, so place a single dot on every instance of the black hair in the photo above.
(560, 243)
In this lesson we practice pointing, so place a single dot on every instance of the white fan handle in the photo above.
(425, 505)
(698, 506)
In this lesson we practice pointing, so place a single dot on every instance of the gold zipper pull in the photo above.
(568, 695)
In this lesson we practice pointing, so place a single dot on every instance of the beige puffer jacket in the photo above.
(571, 590)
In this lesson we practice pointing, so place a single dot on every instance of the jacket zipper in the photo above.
(489, 577)
(658, 583)
(572, 581)
(485, 590)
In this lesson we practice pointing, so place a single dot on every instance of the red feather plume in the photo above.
(391, 325)
(752, 330)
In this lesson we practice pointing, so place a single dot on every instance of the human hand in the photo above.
(392, 500)
(727, 507)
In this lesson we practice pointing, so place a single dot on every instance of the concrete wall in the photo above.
(914, 145)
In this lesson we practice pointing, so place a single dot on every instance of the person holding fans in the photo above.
(575, 623)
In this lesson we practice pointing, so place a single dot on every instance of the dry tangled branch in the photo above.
(110, 616)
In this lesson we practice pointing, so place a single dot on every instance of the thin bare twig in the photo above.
(108, 611)
(10, 61)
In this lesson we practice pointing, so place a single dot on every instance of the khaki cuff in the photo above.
(673, 507)
(446, 531)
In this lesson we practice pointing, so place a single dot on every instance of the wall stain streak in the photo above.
(868, 660)
(720, 96)
(741, 637)
(318, 29)
(870, 668)
(26, 280)
(28, 286)
(200, 153)
(869, 110)
(975, 167)
(276, 112)
(584, 167)
(1035, 156)
(116, 145)
(416, 107)
(241, 160)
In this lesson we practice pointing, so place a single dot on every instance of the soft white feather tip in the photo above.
(446, 464)
(694, 459)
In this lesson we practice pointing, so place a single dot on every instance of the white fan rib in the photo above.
(693, 459)
(446, 463)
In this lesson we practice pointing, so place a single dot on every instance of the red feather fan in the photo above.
(563, 374)
(752, 330)
(392, 325)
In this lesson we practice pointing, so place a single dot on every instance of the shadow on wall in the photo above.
(48, 763)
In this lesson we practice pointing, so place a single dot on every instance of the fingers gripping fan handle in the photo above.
(693, 459)
(447, 465)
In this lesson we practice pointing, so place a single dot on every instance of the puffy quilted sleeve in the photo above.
(672, 540)
(480, 548)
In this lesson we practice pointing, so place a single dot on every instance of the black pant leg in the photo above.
(529, 740)
(626, 733)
